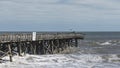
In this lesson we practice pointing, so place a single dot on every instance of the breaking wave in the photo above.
(106, 43)
(64, 61)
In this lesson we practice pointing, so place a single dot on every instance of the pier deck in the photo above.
(28, 36)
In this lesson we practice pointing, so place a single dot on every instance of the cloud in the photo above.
(79, 12)
(51, 9)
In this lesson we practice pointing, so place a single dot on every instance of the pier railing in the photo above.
(23, 36)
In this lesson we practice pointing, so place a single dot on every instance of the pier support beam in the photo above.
(10, 52)
(19, 49)
(76, 42)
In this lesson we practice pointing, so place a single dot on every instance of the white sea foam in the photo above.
(106, 43)
(62, 61)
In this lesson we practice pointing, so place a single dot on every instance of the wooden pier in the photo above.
(36, 42)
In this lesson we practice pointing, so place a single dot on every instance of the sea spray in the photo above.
(62, 60)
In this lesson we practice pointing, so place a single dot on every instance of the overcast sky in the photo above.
(59, 15)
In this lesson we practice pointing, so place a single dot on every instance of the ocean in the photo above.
(97, 50)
